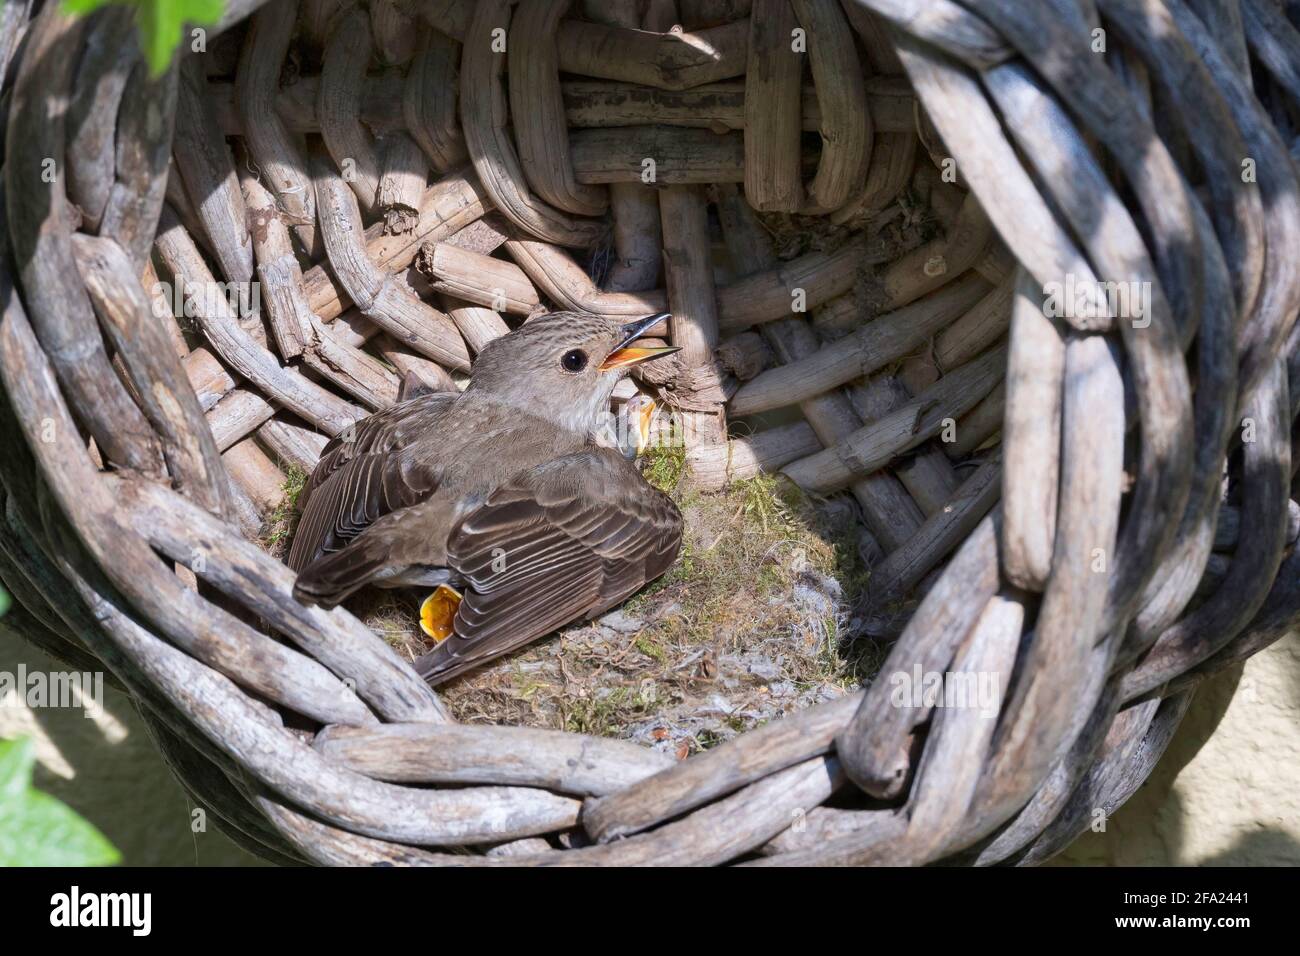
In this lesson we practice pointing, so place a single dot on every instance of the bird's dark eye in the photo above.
(574, 361)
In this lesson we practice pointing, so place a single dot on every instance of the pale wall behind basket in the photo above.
(1228, 791)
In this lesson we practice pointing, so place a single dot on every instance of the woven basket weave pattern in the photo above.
(400, 179)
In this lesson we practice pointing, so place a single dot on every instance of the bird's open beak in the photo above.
(640, 419)
(438, 612)
(625, 354)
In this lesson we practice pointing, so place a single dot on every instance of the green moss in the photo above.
(663, 466)
(607, 713)
(685, 567)
(281, 521)
(295, 480)
(651, 648)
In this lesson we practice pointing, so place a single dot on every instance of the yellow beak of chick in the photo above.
(438, 612)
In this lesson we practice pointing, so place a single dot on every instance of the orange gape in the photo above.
(439, 611)
(645, 420)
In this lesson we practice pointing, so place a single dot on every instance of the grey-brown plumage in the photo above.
(501, 491)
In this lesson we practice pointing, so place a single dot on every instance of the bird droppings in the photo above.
(620, 621)
(747, 625)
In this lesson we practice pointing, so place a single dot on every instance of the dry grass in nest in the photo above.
(749, 624)
(746, 626)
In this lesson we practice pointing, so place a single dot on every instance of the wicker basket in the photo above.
(1097, 558)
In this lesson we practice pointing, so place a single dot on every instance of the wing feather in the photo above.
(362, 477)
(564, 541)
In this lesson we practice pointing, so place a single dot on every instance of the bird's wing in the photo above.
(566, 540)
(361, 477)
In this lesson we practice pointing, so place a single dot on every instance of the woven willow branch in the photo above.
(1040, 490)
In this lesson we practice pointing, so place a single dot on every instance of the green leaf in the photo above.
(4, 601)
(161, 23)
(16, 761)
(83, 6)
(35, 828)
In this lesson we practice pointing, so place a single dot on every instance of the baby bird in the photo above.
(503, 497)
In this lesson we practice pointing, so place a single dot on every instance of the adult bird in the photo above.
(502, 497)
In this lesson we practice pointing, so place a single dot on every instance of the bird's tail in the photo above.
(439, 666)
(429, 666)
(333, 578)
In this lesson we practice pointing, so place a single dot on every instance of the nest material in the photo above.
(749, 625)
(882, 191)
